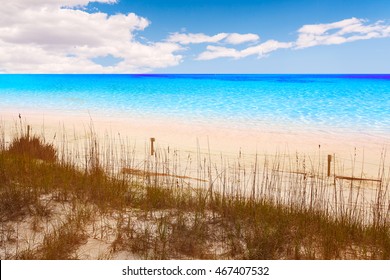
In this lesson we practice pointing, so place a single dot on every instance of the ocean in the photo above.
(334, 103)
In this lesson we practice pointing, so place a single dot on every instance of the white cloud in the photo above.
(340, 32)
(266, 47)
(43, 37)
(260, 50)
(318, 29)
(236, 38)
(347, 30)
(195, 38)
(214, 52)
(199, 38)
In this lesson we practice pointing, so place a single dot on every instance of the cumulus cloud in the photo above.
(236, 38)
(260, 50)
(195, 38)
(214, 52)
(199, 38)
(340, 32)
(43, 36)
(266, 47)
(61, 36)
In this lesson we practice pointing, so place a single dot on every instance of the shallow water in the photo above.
(334, 103)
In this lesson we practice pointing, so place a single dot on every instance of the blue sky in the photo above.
(220, 36)
(273, 19)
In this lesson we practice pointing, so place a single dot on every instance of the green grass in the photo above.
(179, 222)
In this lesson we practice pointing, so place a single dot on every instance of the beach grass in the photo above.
(55, 207)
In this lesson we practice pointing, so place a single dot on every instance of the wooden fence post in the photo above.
(152, 145)
(329, 161)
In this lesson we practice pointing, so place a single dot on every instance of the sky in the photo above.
(199, 36)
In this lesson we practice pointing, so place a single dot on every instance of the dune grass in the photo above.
(151, 216)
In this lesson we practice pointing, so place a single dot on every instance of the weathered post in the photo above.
(152, 145)
(329, 161)
(334, 169)
(28, 132)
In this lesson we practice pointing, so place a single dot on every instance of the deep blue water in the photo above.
(342, 102)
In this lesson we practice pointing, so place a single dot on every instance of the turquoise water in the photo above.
(352, 103)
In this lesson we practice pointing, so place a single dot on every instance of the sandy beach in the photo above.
(282, 166)
(363, 151)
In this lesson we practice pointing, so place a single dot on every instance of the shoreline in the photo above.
(220, 141)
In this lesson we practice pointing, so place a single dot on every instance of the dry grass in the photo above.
(281, 210)
(33, 147)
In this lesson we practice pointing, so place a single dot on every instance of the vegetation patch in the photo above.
(159, 219)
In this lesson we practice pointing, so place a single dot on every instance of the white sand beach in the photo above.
(363, 151)
(207, 155)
